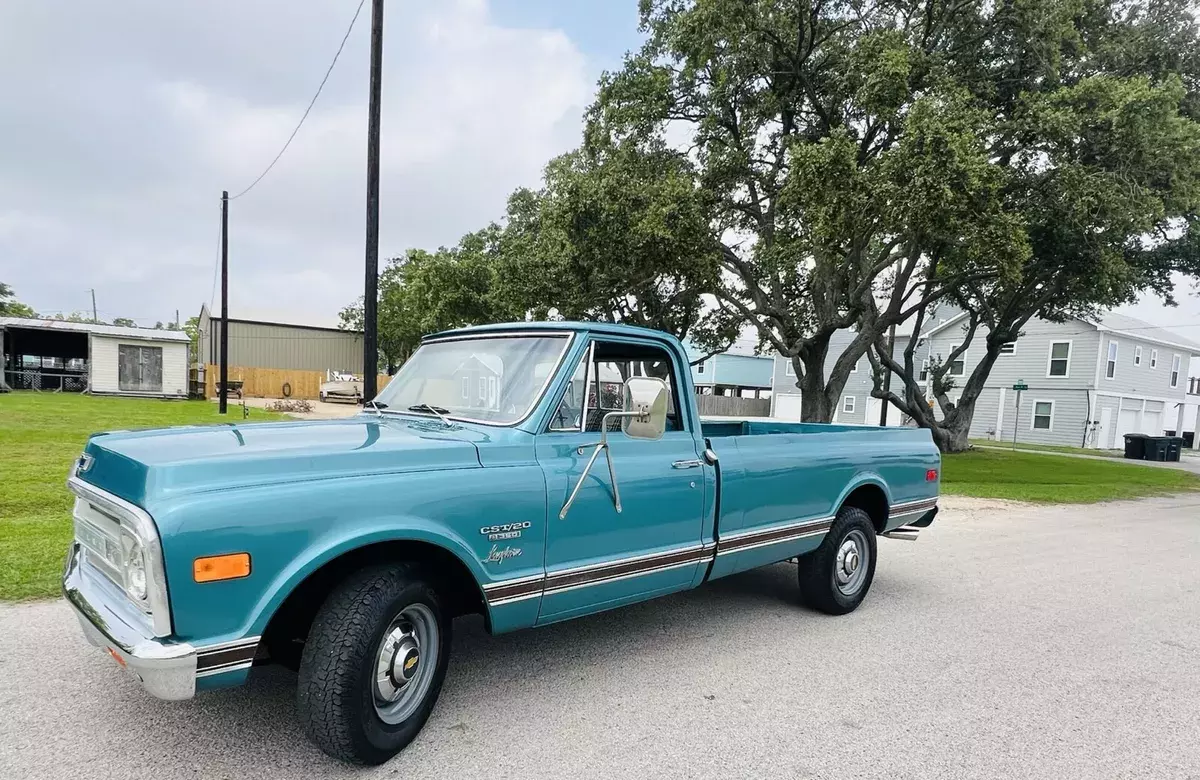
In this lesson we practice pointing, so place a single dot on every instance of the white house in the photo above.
(1089, 383)
(100, 359)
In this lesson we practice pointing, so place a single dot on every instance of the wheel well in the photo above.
(449, 576)
(870, 499)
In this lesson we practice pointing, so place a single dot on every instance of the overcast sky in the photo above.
(124, 121)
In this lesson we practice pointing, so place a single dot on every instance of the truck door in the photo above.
(597, 558)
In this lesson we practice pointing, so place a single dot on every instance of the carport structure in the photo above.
(62, 356)
(42, 358)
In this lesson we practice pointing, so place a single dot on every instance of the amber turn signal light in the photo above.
(221, 567)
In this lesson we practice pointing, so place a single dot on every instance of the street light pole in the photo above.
(371, 280)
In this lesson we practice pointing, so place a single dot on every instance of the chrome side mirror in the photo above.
(644, 416)
(646, 403)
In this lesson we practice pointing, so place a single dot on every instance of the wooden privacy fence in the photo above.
(728, 406)
(269, 382)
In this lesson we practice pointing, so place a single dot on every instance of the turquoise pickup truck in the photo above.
(530, 473)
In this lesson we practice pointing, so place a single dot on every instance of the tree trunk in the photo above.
(952, 435)
(815, 405)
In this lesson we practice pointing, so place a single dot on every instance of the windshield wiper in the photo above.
(437, 410)
(376, 406)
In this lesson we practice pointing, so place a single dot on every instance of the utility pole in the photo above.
(95, 316)
(224, 396)
(177, 319)
(371, 286)
(887, 375)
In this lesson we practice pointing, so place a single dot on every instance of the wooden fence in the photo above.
(269, 382)
(728, 406)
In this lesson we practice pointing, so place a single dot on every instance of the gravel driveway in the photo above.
(1009, 641)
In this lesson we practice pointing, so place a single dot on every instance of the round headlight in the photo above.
(135, 573)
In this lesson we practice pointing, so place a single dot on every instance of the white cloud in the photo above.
(129, 129)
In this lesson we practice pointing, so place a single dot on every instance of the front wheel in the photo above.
(373, 665)
(835, 577)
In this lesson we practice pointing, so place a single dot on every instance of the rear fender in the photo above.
(865, 479)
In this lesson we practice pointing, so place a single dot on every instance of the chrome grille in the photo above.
(99, 535)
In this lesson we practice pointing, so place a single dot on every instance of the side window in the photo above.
(603, 372)
(569, 413)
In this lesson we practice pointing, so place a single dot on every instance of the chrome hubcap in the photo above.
(850, 569)
(404, 663)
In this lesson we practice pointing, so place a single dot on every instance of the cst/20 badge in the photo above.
(495, 533)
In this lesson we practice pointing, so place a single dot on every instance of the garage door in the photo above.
(787, 406)
(1127, 422)
(1152, 418)
(875, 406)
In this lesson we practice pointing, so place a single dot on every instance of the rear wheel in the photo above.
(835, 577)
(373, 665)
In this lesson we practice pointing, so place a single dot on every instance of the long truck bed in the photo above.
(780, 483)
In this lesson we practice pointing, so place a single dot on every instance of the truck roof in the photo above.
(593, 327)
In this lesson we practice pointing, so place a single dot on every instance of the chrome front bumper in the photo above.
(166, 669)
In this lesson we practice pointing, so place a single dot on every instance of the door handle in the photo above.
(687, 464)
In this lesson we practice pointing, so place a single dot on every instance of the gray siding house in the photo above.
(855, 407)
(1089, 383)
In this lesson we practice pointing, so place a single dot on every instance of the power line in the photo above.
(212, 295)
(311, 103)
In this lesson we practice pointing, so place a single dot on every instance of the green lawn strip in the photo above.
(1050, 479)
(40, 435)
(1049, 448)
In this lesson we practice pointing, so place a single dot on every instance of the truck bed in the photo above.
(775, 475)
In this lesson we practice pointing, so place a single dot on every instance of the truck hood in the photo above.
(142, 466)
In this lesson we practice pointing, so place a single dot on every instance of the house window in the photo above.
(924, 371)
(1008, 348)
(139, 369)
(1043, 415)
(1176, 363)
(1110, 370)
(956, 366)
(788, 368)
(1137, 355)
(1154, 358)
(1060, 359)
(848, 404)
(466, 392)
(700, 367)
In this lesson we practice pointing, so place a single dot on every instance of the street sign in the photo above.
(1020, 386)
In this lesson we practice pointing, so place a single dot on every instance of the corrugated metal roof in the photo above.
(101, 330)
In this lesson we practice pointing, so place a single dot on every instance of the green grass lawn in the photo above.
(1056, 480)
(1050, 448)
(40, 435)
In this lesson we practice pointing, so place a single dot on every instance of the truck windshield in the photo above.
(493, 379)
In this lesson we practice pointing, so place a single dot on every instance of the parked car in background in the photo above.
(341, 386)
(343, 548)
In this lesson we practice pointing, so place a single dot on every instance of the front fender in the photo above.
(390, 529)
(291, 530)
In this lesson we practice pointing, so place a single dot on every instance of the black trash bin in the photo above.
(1172, 446)
(1155, 447)
(1135, 446)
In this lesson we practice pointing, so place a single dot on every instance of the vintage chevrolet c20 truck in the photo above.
(473, 484)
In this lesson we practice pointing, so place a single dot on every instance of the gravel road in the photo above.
(1008, 642)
